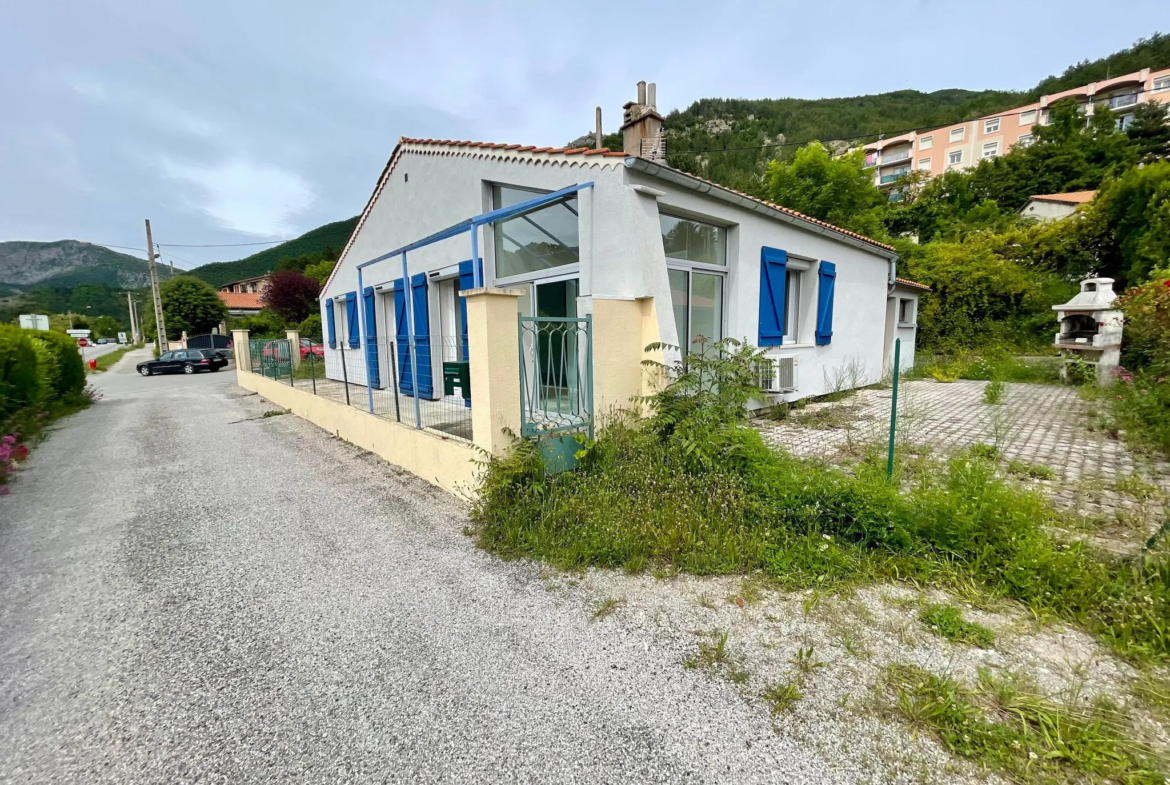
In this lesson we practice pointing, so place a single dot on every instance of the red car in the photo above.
(275, 349)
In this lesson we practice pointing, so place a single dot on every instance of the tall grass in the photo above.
(695, 489)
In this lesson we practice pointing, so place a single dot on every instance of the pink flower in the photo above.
(5, 454)
(8, 440)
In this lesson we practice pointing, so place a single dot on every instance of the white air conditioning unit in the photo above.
(777, 374)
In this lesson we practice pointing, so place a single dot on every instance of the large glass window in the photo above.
(535, 241)
(697, 301)
(694, 241)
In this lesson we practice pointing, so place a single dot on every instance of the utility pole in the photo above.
(133, 324)
(160, 326)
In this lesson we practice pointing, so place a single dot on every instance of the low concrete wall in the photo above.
(447, 463)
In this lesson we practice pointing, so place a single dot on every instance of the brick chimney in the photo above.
(642, 126)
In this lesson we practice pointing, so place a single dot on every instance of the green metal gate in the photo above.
(556, 384)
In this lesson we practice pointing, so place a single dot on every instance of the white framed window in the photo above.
(693, 241)
(954, 157)
(957, 134)
(991, 126)
(537, 241)
(926, 142)
(906, 312)
(924, 163)
(1028, 117)
(991, 149)
(1024, 140)
(792, 279)
(697, 300)
(1162, 83)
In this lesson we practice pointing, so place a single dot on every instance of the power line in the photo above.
(217, 245)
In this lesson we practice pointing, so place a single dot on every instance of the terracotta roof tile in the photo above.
(912, 284)
(241, 300)
(1072, 197)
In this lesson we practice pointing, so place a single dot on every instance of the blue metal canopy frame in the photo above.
(470, 225)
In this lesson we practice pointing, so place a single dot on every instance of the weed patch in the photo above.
(994, 391)
(693, 489)
(607, 606)
(947, 621)
(1005, 726)
(1035, 471)
(781, 697)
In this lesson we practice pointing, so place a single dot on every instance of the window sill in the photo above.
(907, 325)
(786, 346)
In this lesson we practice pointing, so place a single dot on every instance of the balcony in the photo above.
(893, 158)
(889, 178)
(1122, 101)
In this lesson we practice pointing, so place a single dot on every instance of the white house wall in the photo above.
(621, 254)
(860, 300)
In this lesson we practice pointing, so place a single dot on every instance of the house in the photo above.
(241, 303)
(647, 252)
(1053, 207)
(963, 145)
(255, 285)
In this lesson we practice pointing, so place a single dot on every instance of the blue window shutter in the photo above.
(331, 322)
(773, 284)
(351, 319)
(825, 292)
(422, 334)
(371, 336)
(402, 340)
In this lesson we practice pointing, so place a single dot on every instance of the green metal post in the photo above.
(894, 406)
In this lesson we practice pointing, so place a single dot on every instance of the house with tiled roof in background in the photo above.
(677, 256)
(1053, 207)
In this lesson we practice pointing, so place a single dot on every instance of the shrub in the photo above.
(311, 327)
(1141, 406)
(1147, 326)
(63, 373)
(19, 386)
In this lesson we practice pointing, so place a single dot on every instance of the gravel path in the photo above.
(193, 594)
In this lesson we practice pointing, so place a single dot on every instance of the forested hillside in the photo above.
(313, 243)
(731, 140)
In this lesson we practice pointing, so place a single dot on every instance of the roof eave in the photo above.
(719, 192)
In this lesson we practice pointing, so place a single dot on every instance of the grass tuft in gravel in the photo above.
(1034, 471)
(274, 413)
(607, 606)
(947, 622)
(1004, 725)
(782, 697)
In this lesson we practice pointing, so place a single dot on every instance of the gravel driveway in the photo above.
(191, 593)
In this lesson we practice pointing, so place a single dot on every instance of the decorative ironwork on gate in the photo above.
(556, 375)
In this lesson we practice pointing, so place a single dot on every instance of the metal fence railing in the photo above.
(440, 401)
(556, 379)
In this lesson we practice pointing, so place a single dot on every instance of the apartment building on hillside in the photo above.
(964, 144)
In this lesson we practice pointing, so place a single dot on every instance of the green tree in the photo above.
(837, 190)
(190, 305)
(1136, 208)
(1150, 131)
(105, 326)
(1067, 155)
(321, 270)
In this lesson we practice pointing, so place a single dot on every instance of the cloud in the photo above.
(243, 195)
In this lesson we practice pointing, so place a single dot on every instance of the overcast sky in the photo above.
(234, 122)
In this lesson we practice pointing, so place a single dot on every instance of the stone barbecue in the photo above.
(1090, 328)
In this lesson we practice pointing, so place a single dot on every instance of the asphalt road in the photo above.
(193, 593)
(93, 350)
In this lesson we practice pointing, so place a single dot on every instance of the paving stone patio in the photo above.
(1038, 423)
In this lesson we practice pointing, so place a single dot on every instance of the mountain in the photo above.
(68, 263)
(731, 140)
(333, 235)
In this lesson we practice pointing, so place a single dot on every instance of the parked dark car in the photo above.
(185, 361)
